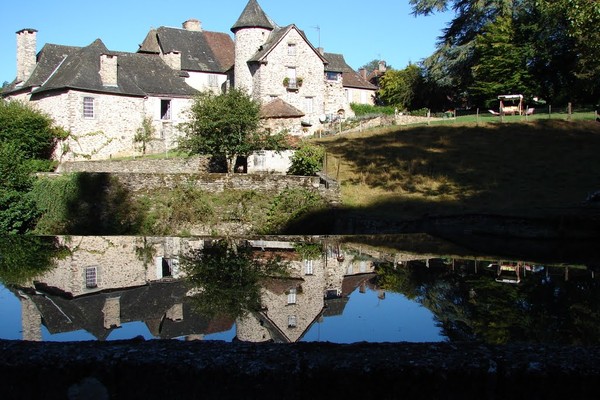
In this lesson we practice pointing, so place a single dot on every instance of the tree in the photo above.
(18, 211)
(400, 87)
(32, 131)
(144, 134)
(559, 37)
(227, 275)
(502, 65)
(27, 140)
(222, 125)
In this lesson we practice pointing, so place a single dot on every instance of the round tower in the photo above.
(251, 31)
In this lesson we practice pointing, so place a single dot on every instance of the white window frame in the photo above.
(291, 298)
(166, 114)
(309, 104)
(91, 277)
(292, 321)
(291, 75)
(89, 107)
(308, 267)
(292, 49)
(213, 80)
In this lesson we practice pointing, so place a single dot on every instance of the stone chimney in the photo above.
(108, 70)
(363, 73)
(173, 60)
(382, 66)
(321, 50)
(26, 53)
(192, 25)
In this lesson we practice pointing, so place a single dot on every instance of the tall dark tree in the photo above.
(560, 38)
(502, 66)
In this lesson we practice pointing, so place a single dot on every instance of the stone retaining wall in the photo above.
(218, 370)
(140, 182)
(192, 165)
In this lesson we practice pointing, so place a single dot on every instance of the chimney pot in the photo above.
(192, 25)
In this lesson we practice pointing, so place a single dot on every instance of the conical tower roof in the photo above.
(253, 16)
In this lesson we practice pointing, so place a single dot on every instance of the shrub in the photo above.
(367, 109)
(307, 160)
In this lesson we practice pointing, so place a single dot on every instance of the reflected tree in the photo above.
(469, 306)
(23, 258)
(226, 277)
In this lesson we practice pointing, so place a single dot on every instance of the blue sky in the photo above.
(383, 29)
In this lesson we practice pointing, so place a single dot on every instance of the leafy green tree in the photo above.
(18, 212)
(502, 63)
(223, 125)
(307, 160)
(144, 134)
(227, 277)
(27, 141)
(24, 257)
(400, 87)
(560, 37)
(32, 131)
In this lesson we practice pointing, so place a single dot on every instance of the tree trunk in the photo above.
(231, 163)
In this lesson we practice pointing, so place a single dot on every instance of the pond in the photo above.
(342, 289)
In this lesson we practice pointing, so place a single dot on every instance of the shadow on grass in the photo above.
(513, 168)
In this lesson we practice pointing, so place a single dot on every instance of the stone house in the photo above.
(102, 97)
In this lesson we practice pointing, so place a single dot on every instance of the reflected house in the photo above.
(98, 263)
(290, 306)
(107, 281)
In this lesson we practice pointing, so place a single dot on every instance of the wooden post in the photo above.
(569, 110)
(477, 123)
(549, 111)
(428, 117)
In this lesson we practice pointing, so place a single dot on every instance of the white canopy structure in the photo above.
(511, 104)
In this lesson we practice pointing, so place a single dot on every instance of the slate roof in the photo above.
(253, 16)
(67, 67)
(275, 38)
(147, 303)
(350, 77)
(278, 108)
(201, 51)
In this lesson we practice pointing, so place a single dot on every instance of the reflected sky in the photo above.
(371, 319)
(10, 315)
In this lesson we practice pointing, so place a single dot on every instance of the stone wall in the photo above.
(218, 370)
(111, 130)
(216, 183)
(191, 165)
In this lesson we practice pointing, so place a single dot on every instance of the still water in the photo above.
(290, 289)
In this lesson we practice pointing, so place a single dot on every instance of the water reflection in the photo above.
(288, 289)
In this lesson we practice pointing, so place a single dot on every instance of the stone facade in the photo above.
(109, 124)
(103, 115)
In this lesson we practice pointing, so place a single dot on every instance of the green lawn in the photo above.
(538, 167)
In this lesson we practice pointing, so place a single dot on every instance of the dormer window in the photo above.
(291, 49)
(332, 76)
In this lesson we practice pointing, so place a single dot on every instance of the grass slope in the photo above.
(536, 168)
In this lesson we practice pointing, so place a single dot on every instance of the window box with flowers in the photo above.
(292, 84)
